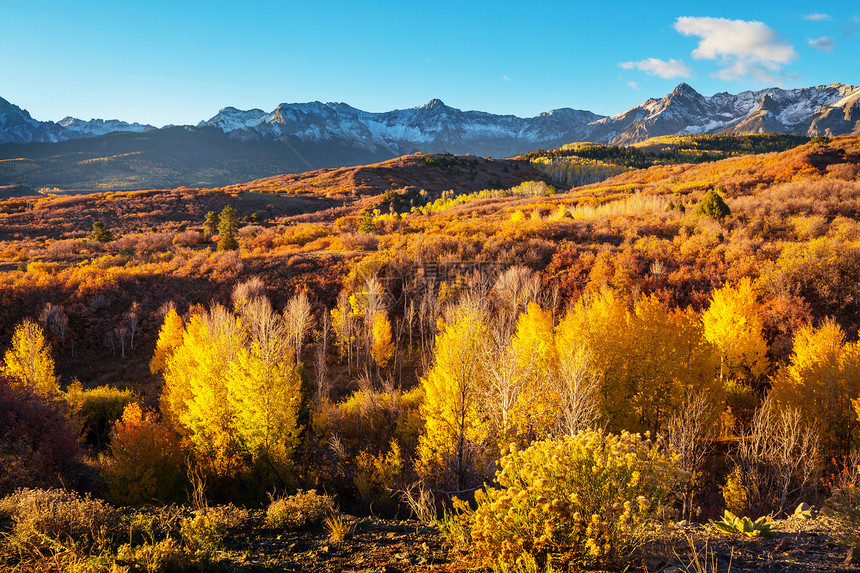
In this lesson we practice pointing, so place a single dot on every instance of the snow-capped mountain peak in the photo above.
(230, 119)
(685, 111)
(433, 104)
(96, 127)
(435, 127)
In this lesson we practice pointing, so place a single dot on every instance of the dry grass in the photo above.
(339, 529)
(303, 509)
(634, 205)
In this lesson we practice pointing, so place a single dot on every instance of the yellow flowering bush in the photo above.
(587, 500)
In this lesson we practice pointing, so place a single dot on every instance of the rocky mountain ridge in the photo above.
(17, 126)
(828, 110)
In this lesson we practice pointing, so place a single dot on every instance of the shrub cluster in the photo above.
(147, 462)
(303, 509)
(61, 515)
(591, 499)
(97, 408)
(38, 442)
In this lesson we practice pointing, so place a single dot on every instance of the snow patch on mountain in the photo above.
(433, 126)
(437, 127)
(96, 127)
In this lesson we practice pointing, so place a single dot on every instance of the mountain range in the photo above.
(303, 136)
(17, 126)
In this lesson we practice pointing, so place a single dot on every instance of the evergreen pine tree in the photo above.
(210, 224)
(228, 226)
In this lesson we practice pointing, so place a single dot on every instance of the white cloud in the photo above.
(742, 48)
(660, 68)
(824, 43)
(633, 85)
(506, 78)
(817, 17)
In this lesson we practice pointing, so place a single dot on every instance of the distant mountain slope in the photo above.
(774, 110)
(96, 127)
(17, 126)
(238, 145)
(316, 194)
(176, 156)
(431, 128)
(436, 127)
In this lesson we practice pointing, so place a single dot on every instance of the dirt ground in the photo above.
(381, 546)
(375, 546)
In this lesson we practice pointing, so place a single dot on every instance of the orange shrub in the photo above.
(147, 460)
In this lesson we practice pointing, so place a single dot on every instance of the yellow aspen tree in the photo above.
(534, 413)
(596, 326)
(264, 387)
(382, 349)
(29, 362)
(733, 325)
(669, 360)
(179, 367)
(195, 397)
(821, 380)
(638, 366)
(265, 392)
(343, 325)
(453, 428)
(169, 338)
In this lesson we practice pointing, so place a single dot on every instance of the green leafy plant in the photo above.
(101, 233)
(713, 205)
(228, 226)
(731, 524)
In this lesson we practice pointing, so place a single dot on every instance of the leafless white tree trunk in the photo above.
(244, 292)
(689, 434)
(778, 458)
(320, 357)
(132, 323)
(579, 387)
(54, 319)
(298, 319)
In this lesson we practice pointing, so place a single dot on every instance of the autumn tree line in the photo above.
(256, 399)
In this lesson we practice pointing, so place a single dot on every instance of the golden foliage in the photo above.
(232, 388)
(734, 326)
(822, 380)
(584, 501)
(146, 462)
(450, 409)
(382, 349)
(647, 360)
(29, 362)
(169, 337)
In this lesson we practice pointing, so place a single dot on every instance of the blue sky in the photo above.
(181, 61)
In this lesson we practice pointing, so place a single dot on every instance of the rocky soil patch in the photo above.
(386, 546)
